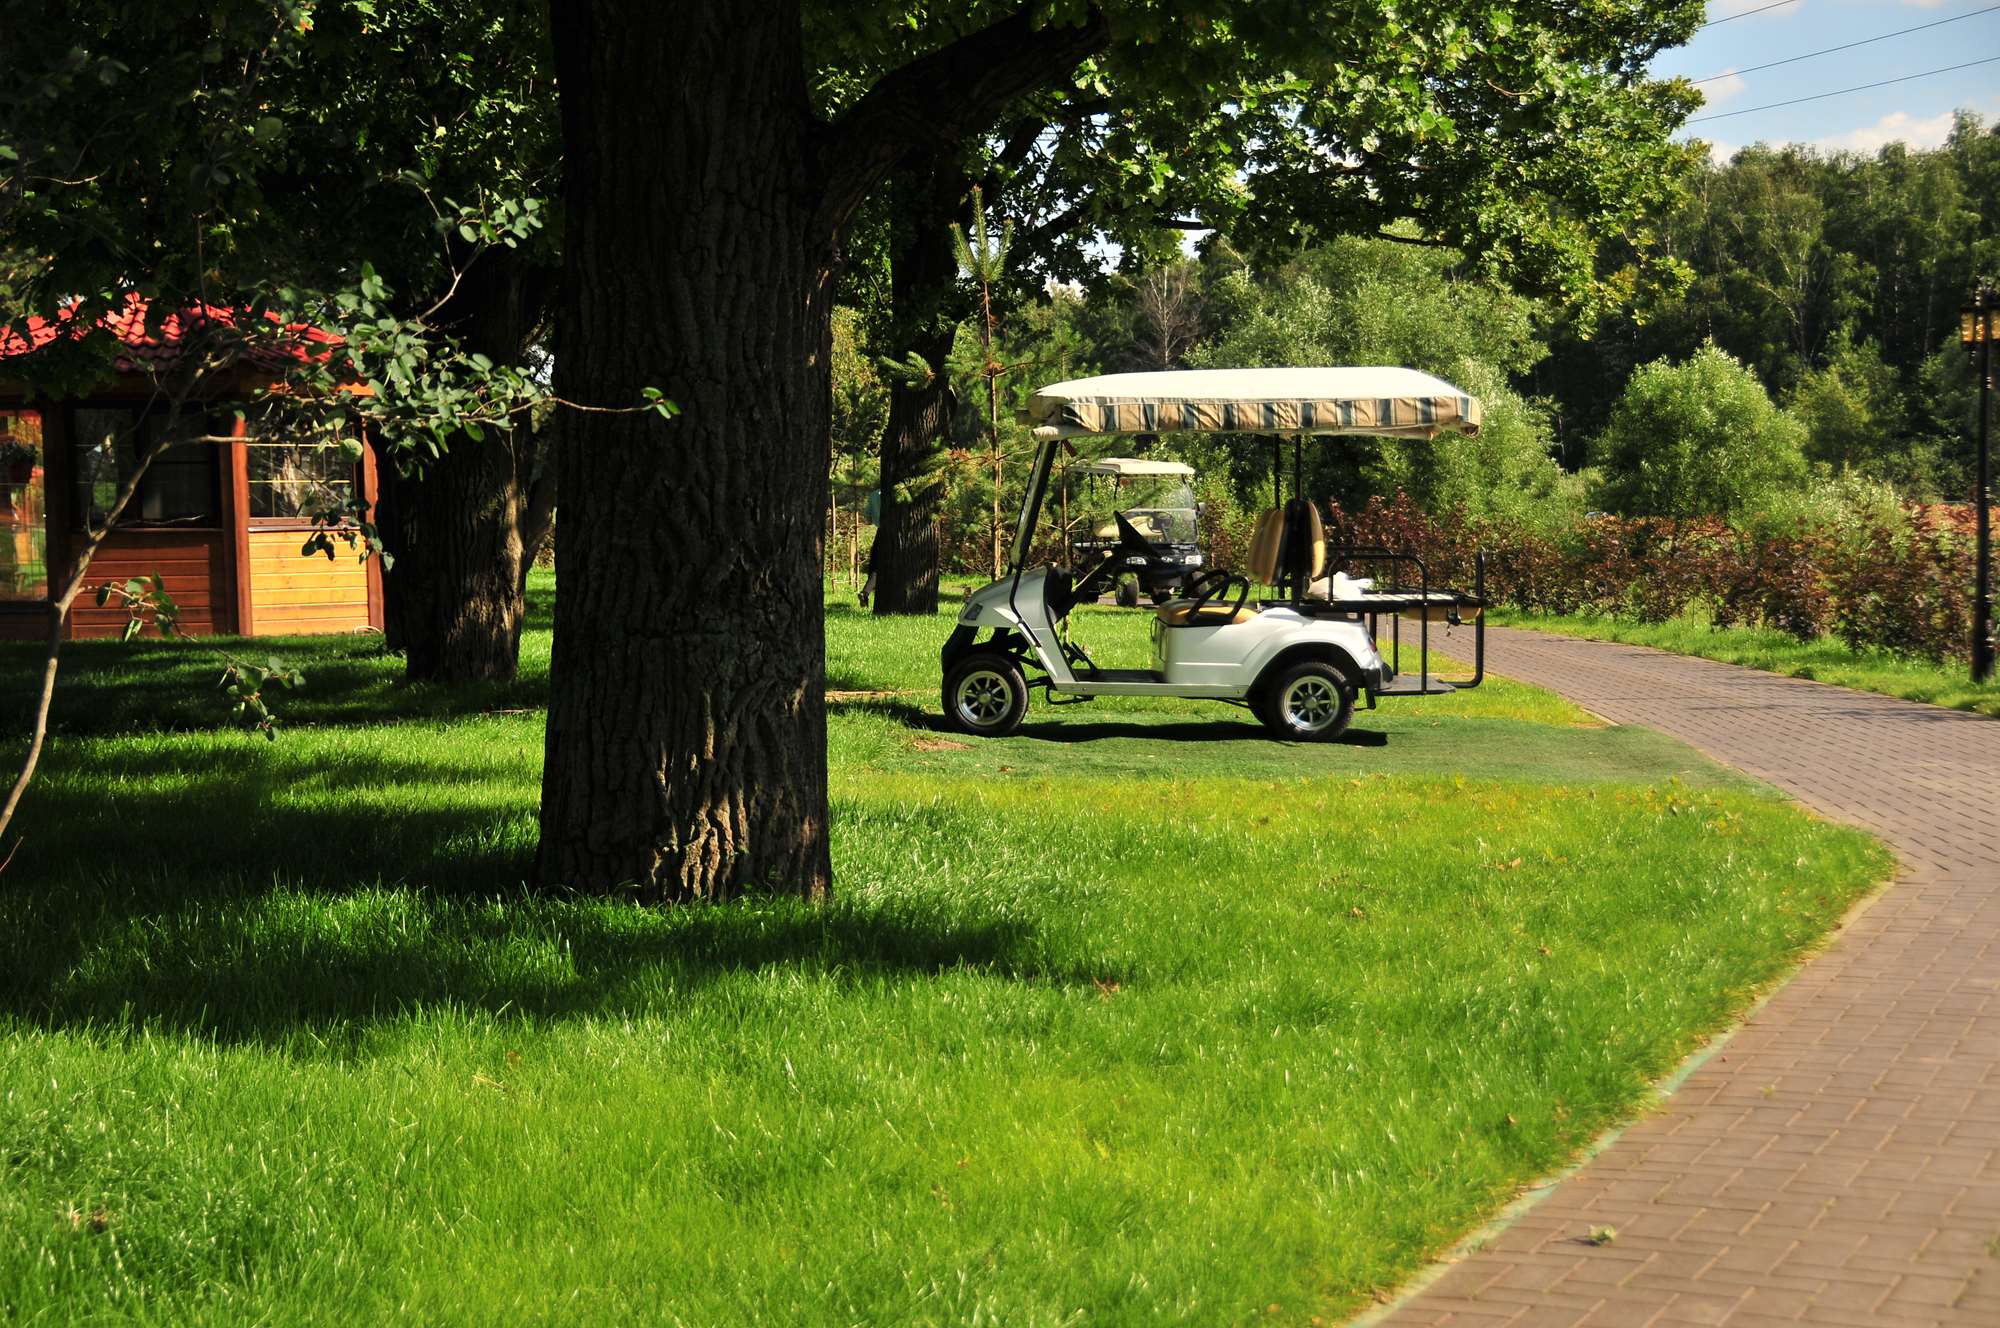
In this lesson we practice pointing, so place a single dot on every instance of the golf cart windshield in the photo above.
(1157, 497)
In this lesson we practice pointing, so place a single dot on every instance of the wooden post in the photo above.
(370, 490)
(236, 526)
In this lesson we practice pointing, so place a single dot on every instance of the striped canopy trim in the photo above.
(1071, 408)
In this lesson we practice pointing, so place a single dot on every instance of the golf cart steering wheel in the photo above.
(1211, 585)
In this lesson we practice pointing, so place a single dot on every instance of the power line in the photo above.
(1842, 92)
(1747, 13)
(1865, 41)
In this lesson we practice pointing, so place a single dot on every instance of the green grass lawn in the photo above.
(1824, 660)
(1135, 1017)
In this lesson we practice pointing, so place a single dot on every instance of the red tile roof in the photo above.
(301, 343)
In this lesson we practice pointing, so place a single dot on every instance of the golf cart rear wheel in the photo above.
(1309, 702)
(1162, 595)
(1128, 593)
(985, 694)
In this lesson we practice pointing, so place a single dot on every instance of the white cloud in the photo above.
(1720, 152)
(1722, 87)
(1720, 9)
(1895, 127)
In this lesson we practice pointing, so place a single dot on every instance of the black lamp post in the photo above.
(1975, 330)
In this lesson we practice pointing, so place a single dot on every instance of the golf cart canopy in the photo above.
(1387, 402)
(1134, 467)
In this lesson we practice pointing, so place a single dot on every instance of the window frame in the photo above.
(82, 502)
(356, 485)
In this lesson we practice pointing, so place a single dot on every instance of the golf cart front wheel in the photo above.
(1128, 593)
(1309, 702)
(985, 694)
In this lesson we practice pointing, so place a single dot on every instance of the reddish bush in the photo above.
(1905, 585)
(1900, 583)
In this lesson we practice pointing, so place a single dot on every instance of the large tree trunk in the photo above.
(687, 722)
(454, 596)
(924, 294)
(687, 731)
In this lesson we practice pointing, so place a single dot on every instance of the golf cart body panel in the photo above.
(1213, 660)
(1298, 662)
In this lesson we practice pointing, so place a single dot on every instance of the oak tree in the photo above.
(713, 160)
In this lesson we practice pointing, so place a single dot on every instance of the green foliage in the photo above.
(1853, 411)
(243, 684)
(1699, 438)
(860, 397)
(146, 602)
(1504, 473)
(1361, 301)
(1836, 277)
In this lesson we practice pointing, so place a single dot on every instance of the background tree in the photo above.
(1797, 261)
(1378, 301)
(860, 407)
(1112, 156)
(1852, 410)
(145, 162)
(915, 330)
(1700, 438)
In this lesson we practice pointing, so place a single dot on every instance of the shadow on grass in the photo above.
(1079, 731)
(209, 903)
(151, 686)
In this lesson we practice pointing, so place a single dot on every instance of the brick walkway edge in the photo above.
(1839, 1161)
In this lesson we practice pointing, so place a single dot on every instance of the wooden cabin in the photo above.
(221, 523)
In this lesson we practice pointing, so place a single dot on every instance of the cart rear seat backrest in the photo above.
(1275, 529)
(1303, 522)
(1262, 565)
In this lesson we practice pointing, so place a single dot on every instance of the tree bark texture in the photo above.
(687, 734)
(454, 598)
(703, 200)
(924, 293)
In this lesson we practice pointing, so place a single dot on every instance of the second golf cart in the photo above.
(1157, 499)
(1300, 659)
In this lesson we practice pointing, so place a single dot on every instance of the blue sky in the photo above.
(1917, 112)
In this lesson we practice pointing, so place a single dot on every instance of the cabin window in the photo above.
(292, 481)
(24, 535)
(179, 488)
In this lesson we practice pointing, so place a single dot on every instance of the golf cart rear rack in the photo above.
(1424, 604)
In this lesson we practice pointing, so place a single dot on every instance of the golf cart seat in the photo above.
(1271, 544)
(1182, 613)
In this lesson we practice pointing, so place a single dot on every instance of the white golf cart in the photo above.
(1157, 498)
(1298, 660)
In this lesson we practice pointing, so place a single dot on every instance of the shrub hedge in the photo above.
(1878, 574)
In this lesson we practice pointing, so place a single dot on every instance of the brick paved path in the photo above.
(1838, 1161)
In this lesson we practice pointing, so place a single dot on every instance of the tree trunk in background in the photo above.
(923, 289)
(687, 725)
(454, 599)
